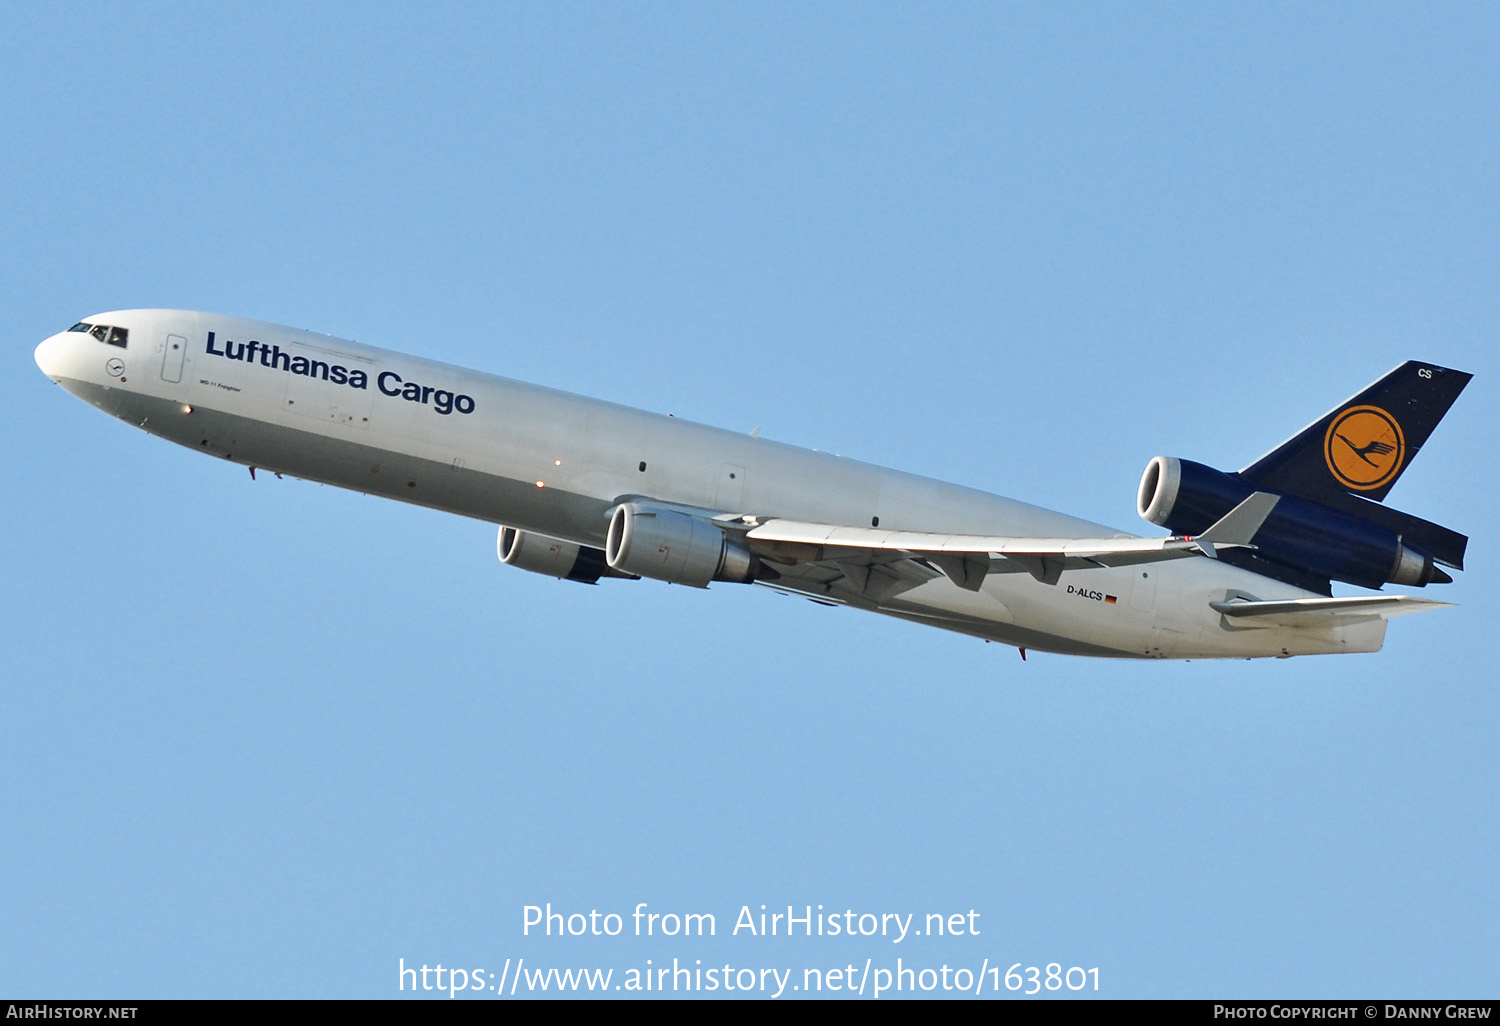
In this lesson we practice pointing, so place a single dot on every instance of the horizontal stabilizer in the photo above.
(1322, 612)
(1447, 546)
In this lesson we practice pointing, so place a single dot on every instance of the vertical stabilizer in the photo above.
(1362, 446)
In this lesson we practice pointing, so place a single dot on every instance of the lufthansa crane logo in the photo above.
(1364, 447)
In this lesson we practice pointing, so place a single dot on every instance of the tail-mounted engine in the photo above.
(1306, 538)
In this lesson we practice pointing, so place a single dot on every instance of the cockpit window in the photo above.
(104, 333)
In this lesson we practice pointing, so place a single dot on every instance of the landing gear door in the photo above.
(172, 356)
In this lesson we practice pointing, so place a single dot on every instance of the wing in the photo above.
(967, 559)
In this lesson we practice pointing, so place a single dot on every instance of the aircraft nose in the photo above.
(49, 356)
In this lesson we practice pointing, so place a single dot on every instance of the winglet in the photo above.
(1238, 527)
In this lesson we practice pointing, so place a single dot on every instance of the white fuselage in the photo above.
(554, 463)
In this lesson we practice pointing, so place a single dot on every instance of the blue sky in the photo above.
(265, 739)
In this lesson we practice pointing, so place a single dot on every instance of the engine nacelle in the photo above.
(669, 545)
(552, 556)
(1187, 498)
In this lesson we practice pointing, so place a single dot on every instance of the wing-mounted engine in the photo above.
(553, 556)
(677, 547)
(1303, 538)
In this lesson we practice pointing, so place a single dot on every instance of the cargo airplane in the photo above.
(585, 490)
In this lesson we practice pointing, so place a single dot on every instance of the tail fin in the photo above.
(1350, 458)
(1363, 445)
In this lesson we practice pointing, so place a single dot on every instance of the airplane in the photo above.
(586, 490)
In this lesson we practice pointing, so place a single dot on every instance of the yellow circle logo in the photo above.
(1364, 447)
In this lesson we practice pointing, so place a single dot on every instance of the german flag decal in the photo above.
(1364, 447)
